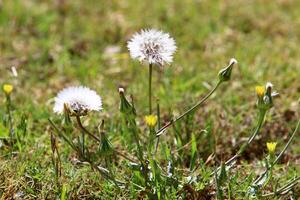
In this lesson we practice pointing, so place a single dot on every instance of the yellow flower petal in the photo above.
(260, 91)
(151, 120)
(7, 88)
(271, 146)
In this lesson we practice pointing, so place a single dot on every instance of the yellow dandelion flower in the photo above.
(260, 91)
(7, 88)
(271, 146)
(151, 120)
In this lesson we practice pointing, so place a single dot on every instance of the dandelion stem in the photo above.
(161, 130)
(158, 125)
(104, 172)
(83, 131)
(284, 188)
(281, 153)
(261, 118)
(297, 129)
(98, 139)
(10, 121)
(150, 89)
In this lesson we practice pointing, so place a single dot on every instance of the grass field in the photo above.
(55, 44)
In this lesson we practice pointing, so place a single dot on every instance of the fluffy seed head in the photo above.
(78, 100)
(152, 46)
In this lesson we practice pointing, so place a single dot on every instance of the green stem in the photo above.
(250, 139)
(261, 118)
(150, 89)
(98, 139)
(281, 153)
(284, 188)
(83, 131)
(10, 121)
(106, 174)
(287, 144)
(161, 130)
(158, 125)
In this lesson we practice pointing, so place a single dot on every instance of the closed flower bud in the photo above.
(125, 106)
(225, 74)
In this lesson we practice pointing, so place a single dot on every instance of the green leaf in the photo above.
(193, 152)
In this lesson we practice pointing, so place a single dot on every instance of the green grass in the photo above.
(54, 45)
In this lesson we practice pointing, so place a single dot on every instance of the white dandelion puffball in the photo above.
(152, 46)
(79, 100)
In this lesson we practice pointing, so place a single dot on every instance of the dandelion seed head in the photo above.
(79, 101)
(152, 46)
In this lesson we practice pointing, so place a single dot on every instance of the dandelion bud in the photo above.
(125, 106)
(8, 88)
(225, 74)
(105, 148)
(151, 120)
(271, 146)
(268, 98)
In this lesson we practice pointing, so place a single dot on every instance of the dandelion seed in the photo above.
(8, 88)
(151, 120)
(78, 100)
(271, 146)
(260, 91)
(152, 46)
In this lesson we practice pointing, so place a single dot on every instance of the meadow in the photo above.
(46, 46)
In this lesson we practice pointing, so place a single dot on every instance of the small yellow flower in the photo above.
(7, 88)
(260, 91)
(271, 146)
(151, 120)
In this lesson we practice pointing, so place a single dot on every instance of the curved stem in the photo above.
(288, 143)
(287, 186)
(281, 153)
(161, 130)
(99, 140)
(261, 118)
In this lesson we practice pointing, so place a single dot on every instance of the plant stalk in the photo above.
(161, 130)
(98, 139)
(150, 89)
